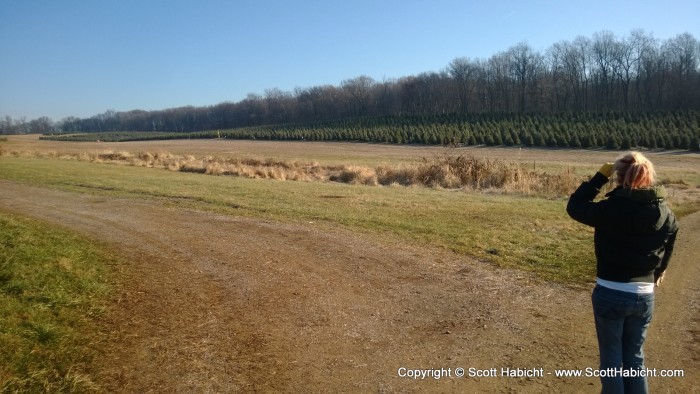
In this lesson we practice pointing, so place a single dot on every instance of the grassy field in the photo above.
(53, 285)
(530, 233)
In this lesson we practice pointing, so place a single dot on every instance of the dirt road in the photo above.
(213, 303)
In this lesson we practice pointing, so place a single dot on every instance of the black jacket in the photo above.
(634, 229)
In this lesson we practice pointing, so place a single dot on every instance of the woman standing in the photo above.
(634, 235)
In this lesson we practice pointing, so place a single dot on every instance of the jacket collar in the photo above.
(656, 193)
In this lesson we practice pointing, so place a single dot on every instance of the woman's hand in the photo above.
(660, 279)
(607, 169)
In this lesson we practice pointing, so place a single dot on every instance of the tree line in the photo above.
(598, 74)
(623, 130)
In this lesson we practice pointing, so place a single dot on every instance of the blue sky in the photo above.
(83, 57)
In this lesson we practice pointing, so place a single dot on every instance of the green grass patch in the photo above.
(53, 285)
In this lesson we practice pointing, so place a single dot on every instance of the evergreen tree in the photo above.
(433, 139)
(497, 139)
(562, 142)
(694, 144)
(516, 138)
(651, 142)
(574, 142)
(643, 141)
(524, 135)
(529, 141)
(626, 142)
(685, 142)
(539, 140)
(509, 140)
(613, 142)
(676, 141)
(586, 141)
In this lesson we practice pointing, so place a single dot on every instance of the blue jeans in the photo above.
(621, 322)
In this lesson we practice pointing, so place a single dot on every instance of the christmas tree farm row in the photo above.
(667, 130)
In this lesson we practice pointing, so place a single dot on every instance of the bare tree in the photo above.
(559, 81)
(604, 52)
(359, 89)
(279, 104)
(40, 125)
(464, 72)
(682, 52)
(645, 51)
(524, 66)
(500, 84)
(581, 56)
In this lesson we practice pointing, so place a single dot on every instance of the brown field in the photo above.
(212, 302)
(355, 153)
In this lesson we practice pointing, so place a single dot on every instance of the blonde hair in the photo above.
(634, 171)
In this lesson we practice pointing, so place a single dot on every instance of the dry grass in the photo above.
(446, 171)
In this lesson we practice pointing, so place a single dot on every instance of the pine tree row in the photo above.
(668, 130)
(612, 131)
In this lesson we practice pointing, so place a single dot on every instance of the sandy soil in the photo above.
(213, 303)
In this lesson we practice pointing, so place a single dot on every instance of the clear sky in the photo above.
(62, 58)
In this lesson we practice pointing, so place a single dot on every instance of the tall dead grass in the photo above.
(445, 171)
(465, 172)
